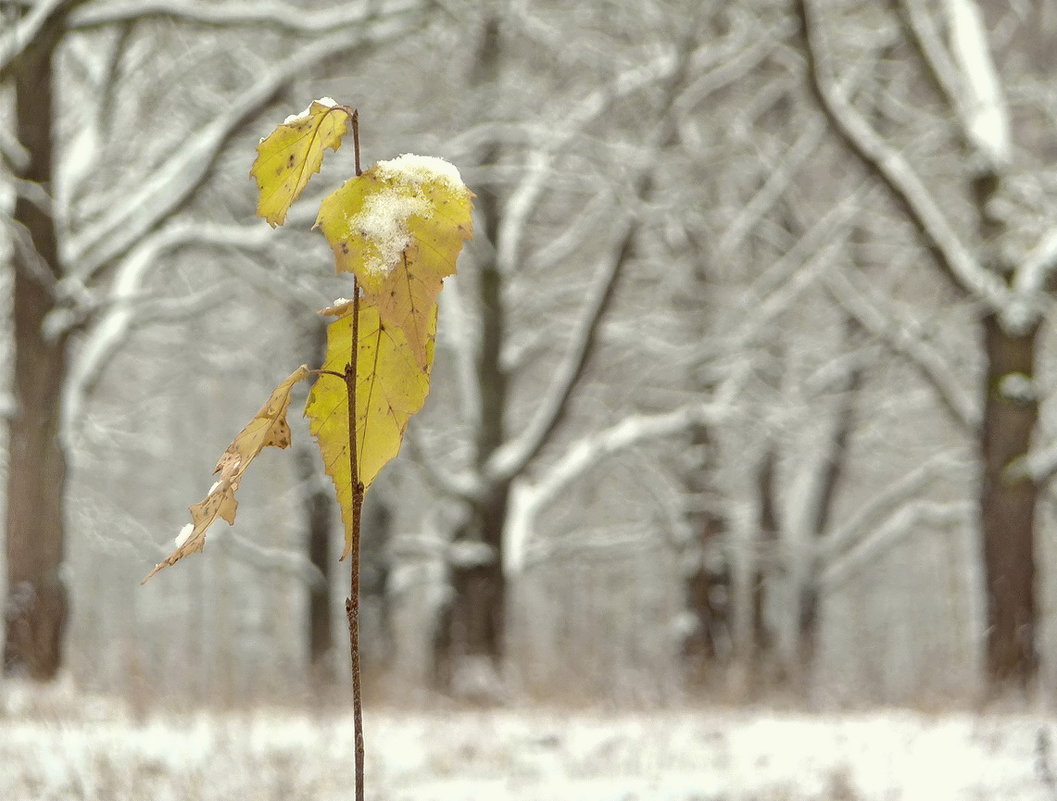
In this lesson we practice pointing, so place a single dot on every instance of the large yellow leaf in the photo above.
(293, 153)
(399, 228)
(390, 387)
(268, 427)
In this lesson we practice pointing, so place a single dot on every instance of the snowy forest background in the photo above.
(744, 389)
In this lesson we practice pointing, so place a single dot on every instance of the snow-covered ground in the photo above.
(97, 750)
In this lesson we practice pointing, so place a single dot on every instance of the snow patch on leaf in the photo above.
(185, 534)
(383, 222)
(329, 102)
(413, 169)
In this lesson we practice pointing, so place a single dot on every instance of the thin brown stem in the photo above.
(356, 140)
(328, 372)
(352, 603)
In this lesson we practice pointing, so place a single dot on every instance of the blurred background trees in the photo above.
(742, 386)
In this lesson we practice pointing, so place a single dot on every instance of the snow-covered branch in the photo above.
(922, 24)
(528, 499)
(14, 41)
(906, 521)
(966, 77)
(271, 560)
(782, 280)
(738, 54)
(177, 180)
(1031, 276)
(112, 324)
(778, 181)
(534, 183)
(512, 457)
(848, 536)
(1039, 466)
(986, 114)
(445, 481)
(282, 16)
(890, 166)
(905, 337)
(457, 331)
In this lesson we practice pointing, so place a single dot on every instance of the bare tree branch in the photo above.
(512, 457)
(846, 537)
(905, 337)
(778, 181)
(906, 521)
(271, 560)
(110, 329)
(529, 499)
(178, 179)
(15, 40)
(952, 255)
(985, 113)
(281, 16)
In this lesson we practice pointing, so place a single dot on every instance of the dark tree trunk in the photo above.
(757, 653)
(317, 506)
(36, 608)
(833, 472)
(1007, 506)
(318, 515)
(473, 621)
(375, 568)
(706, 640)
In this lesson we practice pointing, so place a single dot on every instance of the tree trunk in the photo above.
(833, 470)
(317, 509)
(376, 632)
(758, 653)
(36, 606)
(472, 624)
(1007, 506)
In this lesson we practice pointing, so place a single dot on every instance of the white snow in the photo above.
(412, 169)
(329, 102)
(1018, 387)
(988, 117)
(184, 534)
(383, 222)
(299, 116)
(87, 748)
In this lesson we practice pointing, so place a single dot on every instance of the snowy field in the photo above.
(97, 750)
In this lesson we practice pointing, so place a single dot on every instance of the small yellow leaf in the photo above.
(268, 427)
(399, 228)
(293, 153)
(390, 387)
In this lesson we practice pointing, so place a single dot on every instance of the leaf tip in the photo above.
(157, 568)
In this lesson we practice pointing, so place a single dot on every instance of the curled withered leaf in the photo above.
(268, 427)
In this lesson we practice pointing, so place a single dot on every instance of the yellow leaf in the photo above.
(390, 387)
(293, 153)
(268, 427)
(399, 228)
